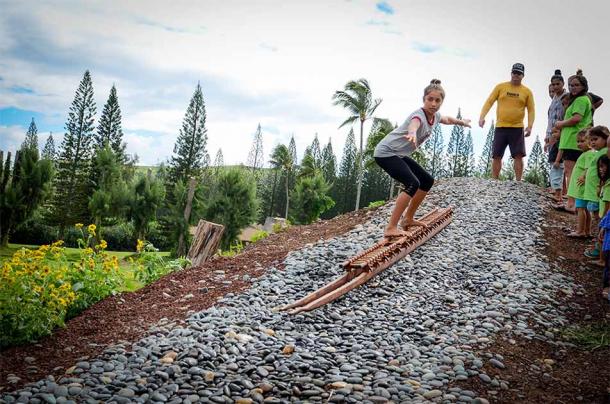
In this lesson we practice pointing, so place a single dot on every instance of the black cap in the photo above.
(518, 68)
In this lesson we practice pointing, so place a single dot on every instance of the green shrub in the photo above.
(259, 235)
(35, 293)
(95, 275)
(150, 266)
(233, 250)
(278, 227)
(376, 204)
(40, 288)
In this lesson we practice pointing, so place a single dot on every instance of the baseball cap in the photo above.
(518, 68)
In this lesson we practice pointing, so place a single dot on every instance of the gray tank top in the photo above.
(394, 143)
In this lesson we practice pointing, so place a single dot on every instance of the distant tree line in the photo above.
(89, 177)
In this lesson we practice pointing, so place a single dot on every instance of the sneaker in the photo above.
(593, 253)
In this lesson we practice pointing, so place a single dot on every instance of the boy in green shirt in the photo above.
(576, 188)
(597, 140)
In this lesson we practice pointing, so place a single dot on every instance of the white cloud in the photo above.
(278, 63)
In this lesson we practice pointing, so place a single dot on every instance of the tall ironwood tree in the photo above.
(72, 187)
(109, 129)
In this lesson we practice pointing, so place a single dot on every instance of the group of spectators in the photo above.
(577, 151)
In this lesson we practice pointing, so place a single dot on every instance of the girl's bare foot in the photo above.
(393, 232)
(406, 223)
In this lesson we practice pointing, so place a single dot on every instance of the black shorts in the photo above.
(571, 155)
(511, 137)
(407, 172)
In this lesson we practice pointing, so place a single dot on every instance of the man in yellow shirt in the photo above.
(512, 98)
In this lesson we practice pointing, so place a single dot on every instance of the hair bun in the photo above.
(579, 72)
(557, 72)
(435, 81)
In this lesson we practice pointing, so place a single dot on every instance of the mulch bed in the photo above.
(129, 316)
(568, 375)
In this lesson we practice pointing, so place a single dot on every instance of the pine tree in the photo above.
(329, 163)
(256, 156)
(433, 149)
(72, 187)
(189, 150)
(455, 158)
(292, 149)
(109, 201)
(536, 172)
(148, 193)
(48, 152)
(346, 189)
(485, 160)
(218, 161)
(31, 138)
(468, 155)
(315, 151)
(109, 129)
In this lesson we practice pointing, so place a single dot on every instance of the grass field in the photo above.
(73, 255)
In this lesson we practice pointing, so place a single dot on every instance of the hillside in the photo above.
(478, 312)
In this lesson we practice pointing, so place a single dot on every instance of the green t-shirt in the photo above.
(582, 107)
(575, 190)
(592, 179)
(604, 200)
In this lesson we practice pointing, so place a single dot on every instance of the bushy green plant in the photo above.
(150, 266)
(279, 226)
(376, 204)
(259, 235)
(40, 288)
(95, 275)
(234, 249)
(35, 293)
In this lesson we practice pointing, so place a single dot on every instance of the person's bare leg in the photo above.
(587, 228)
(580, 221)
(496, 166)
(518, 166)
(568, 166)
(408, 219)
(402, 201)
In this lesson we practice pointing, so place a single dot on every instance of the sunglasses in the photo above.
(517, 73)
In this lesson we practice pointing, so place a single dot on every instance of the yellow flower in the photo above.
(103, 244)
(140, 245)
(91, 229)
(78, 225)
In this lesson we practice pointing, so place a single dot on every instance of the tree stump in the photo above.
(205, 242)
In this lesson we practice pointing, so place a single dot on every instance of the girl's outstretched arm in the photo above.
(449, 120)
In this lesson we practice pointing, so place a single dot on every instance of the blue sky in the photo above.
(278, 63)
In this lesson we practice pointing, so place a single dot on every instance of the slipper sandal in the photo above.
(576, 235)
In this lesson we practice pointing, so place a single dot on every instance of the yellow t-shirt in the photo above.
(512, 101)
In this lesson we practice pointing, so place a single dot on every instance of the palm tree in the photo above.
(358, 100)
(282, 159)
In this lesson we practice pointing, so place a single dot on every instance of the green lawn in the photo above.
(73, 255)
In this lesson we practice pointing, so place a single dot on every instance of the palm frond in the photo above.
(349, 120)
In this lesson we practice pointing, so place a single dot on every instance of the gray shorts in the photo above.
(556, 177)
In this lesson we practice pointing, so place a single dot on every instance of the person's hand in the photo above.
(481, 122)
(466, 123)
(411, 138)
(556, 164)
(528, 131)
(581, 180)
(558, 126)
